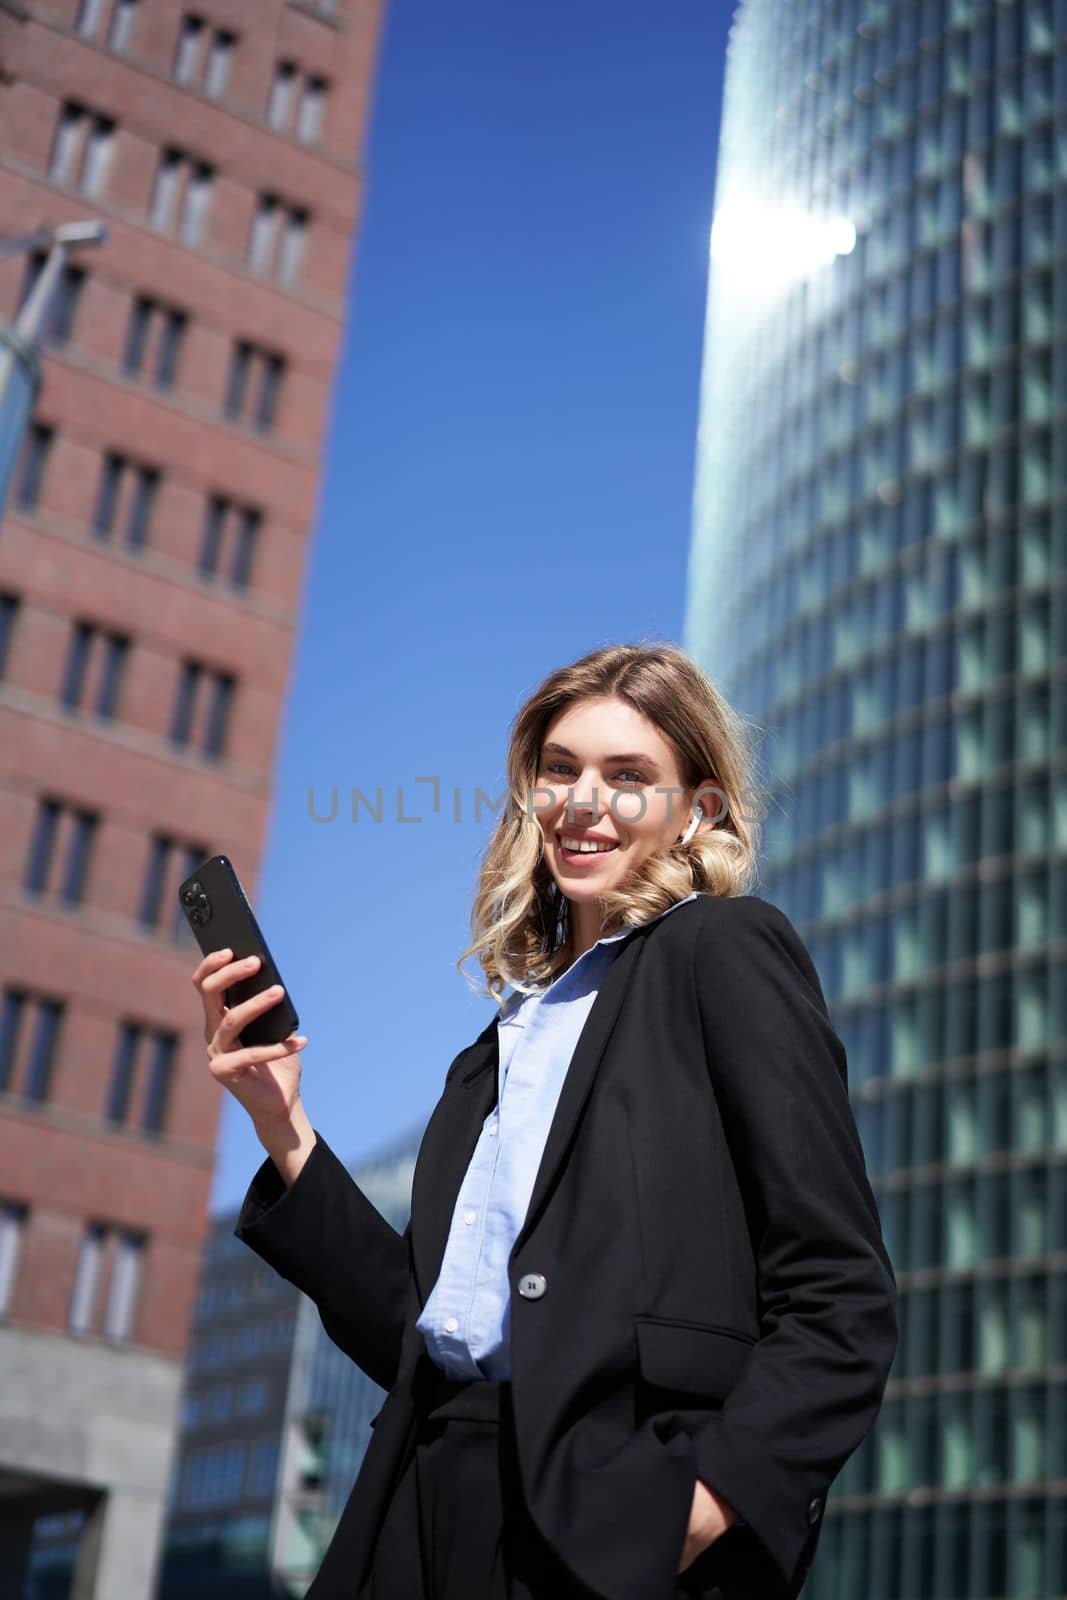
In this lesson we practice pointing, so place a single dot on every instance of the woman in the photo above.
(643, 1311)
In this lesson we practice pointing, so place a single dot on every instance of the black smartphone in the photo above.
(221, 918)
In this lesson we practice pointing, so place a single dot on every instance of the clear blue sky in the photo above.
(507, 484)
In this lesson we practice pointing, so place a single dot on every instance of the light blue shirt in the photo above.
(466, 1321)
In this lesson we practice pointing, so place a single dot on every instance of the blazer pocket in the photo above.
(694, 1358)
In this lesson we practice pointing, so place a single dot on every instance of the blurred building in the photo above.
(274, 1418)
(879, 579)
(151, 563)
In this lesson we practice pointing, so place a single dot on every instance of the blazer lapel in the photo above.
(448, 1143)
(469, 1095)
(578, 1083)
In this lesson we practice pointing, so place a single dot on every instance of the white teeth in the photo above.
(586, 846)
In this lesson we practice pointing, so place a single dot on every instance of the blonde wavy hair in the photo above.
(520, 924)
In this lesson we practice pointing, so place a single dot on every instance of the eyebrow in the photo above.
(633, 755)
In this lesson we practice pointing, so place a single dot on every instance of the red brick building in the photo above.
(151, 564)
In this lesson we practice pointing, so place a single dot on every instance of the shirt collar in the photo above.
(515, 999)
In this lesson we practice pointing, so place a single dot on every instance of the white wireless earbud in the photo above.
(694, 824)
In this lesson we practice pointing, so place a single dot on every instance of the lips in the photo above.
(605, 848)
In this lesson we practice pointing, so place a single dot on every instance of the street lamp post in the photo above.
(21, 342)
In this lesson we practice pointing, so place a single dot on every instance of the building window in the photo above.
(213, 1475)
(190, 43)
(196, 203)
(12, 1230)
(157, 329)
(291, 88)
(98, 656)
(260, 371)
(190, 60)
(218, 1403)
(82, 149)
(87, 1278)
(160, 1079)
(107, 495)
(29, 475)
(125, 1280)
(182, 194)
(99, 151)
(127, 1256)
(262, 1469)
(10, 1026)
(282, 89)
(219, 62)
(252, 1397)
(203, 703)
(127, 494)
(29, 1034)
(267, 400)
(67, 141)
(134, 1040)
(237, 378)
(122, 20)
(142, 501)
(59, 319)
(62, 838)
(42, 1055)
(312, 114)
(122, 1069)
(88, 19)
(264, 233)
(171, 336)
(165, 188)
(169, 864)
(137, 334)
(229, 527)
(9, 609)
(272, 222)
(220, 702)
(244, 547)
(294, 238)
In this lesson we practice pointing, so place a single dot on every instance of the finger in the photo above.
(217, 984)
(230, 1062)
(238, 1017)
(229, 972)
(210, 963)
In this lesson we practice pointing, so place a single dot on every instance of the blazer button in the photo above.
(814, 1509)
(532, 1285)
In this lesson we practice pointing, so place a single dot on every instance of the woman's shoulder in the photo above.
(747, 934)
(734, 928)
(727, 911)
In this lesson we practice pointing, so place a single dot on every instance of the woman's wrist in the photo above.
(288, 1141)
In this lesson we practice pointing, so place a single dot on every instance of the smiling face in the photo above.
(619, 776)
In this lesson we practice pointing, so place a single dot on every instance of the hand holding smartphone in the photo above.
(219, 913)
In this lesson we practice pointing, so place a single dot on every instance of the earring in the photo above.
(694, 824)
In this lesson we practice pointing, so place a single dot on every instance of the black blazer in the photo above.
(700, 1286)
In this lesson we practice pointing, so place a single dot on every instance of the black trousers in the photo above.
(457, 1527)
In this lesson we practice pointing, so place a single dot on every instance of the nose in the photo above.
(584, 797)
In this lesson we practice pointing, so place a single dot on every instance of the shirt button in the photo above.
(470, 1216)
(492, 1129)
(452, 1324)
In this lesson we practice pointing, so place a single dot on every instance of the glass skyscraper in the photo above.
(878, 579)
